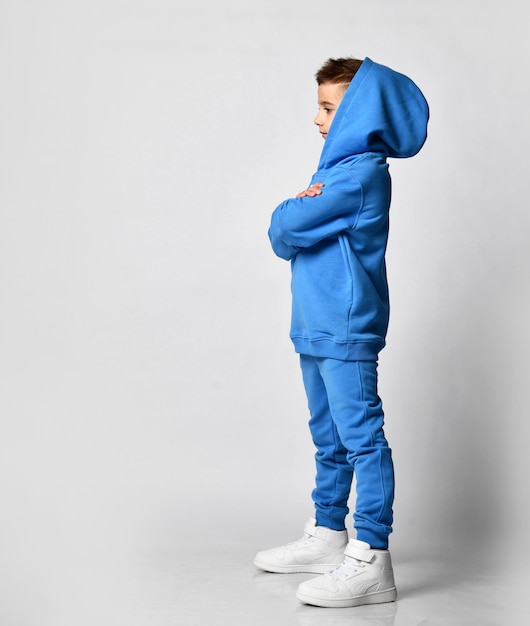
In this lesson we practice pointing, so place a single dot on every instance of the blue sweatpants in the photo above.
(346, 424)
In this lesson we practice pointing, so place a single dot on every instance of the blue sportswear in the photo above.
(336, 241)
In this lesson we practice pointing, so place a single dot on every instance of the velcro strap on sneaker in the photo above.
(367, 556)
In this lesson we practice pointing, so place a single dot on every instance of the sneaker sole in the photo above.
(312, 568)
(380, 597)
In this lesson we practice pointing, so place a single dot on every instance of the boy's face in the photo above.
(329, 97)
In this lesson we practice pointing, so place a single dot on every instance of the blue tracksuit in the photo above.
(336, 243)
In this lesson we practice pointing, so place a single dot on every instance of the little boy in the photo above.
(335, 235)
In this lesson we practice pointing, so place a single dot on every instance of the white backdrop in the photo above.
(150, 394)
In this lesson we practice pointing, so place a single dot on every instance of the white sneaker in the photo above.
(365, 577)
(319, 550)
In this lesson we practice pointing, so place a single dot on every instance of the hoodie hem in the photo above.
(347, 351)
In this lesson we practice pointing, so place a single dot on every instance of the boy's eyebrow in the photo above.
(322, 102)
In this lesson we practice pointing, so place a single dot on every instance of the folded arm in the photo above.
(322, 211)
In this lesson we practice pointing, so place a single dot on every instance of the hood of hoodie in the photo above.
(381, 111)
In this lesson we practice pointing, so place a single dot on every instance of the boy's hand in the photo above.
(314, 190)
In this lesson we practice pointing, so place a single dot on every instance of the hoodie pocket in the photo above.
(322, 292)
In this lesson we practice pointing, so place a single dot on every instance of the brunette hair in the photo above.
(338, 71)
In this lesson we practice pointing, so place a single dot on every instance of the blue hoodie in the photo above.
(336, 241)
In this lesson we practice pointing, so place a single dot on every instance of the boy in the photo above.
(335, 235)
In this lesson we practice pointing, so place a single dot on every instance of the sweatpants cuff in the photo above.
(376, 541)
(327, 522)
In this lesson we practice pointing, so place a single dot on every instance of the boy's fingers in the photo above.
(316, 187)
(314, 190)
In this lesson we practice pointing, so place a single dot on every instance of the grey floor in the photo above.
(430, 592)
(136, 563)
(213, 583)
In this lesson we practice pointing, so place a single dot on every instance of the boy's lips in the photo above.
(324, 135)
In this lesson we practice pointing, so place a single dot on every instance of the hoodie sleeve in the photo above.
(303, 222)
